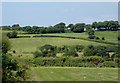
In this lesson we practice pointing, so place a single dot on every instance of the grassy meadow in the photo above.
(110, 36)
(24, 47)
(31, 44)
(72, 74)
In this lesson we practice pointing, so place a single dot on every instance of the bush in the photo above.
(46, 51)
(11, 72)
(79, 48)
(90, 32)
(6, 44)
(108, 64)
(70, 52)
(112, 48)
(96, 51)
(91, 36)
(14, 51)
(103, 38)
(69, 61)
(12, 34)
(97, 38)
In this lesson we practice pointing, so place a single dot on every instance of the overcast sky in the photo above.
(51, 13)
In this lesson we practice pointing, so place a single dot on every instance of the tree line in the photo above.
(63, 28)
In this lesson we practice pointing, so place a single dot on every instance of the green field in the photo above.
(24, 47)
(110, 36)
(31, 44)
(72, 74)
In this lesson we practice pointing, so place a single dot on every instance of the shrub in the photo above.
(14, 51)
(79, 48)
(46, 51)
(12, 34)
(11, 72)
(91, 36)
(69, 61)
(90, 32)
(6, 44)
(112, 48)
(97, 38)
(71, 52)
(108, 64)
(103, 38)
(118, 37)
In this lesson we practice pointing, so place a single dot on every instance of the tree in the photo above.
(91, 32)
(60, 25)
(46, 51)
(12, 34)
(94, 25)
(6, 45)
(70, 52)
(78, 28)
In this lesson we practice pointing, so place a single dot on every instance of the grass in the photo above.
(72, 74)
(110, 36)
(31, 44)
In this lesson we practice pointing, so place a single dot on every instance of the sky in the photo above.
(51, 13)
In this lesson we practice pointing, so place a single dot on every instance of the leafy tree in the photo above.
(78, 28)
(71, 52)
(91, 32)
(46, 51)
(94, 25)
(6, 45)
(97, 51)
(60, 25)
(12, 34)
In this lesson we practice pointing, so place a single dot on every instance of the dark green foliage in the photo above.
(115, 57)
(78, 28)
(71, 52)
(112, 49)
(46, 51)
(14, 51)
(103, 38)
(108, 64)
(118, 37)
(91, 32)
(5, 44)
(12, 34)
(97, 51)
(97, 38)
(6, 28)
(91, 36)
(11, 72)
(79, 48)
(92, 61)
(106, 25)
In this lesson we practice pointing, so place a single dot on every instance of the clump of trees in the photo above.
(106, 25)
(62, 28)
(12, 34)
(97, 51)
(46, 51)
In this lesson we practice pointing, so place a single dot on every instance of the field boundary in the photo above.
(99, 41)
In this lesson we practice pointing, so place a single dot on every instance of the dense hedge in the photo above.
(91, 61)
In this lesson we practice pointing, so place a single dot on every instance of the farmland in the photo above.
(72, 74)
(25, 47)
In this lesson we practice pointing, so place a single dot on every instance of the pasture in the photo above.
(72, 74)
(110, 36)
(25, 47)
(31, 44)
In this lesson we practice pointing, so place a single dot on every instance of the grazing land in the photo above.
(30, 44)
(72, 74)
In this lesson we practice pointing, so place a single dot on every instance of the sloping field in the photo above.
(72, 74)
